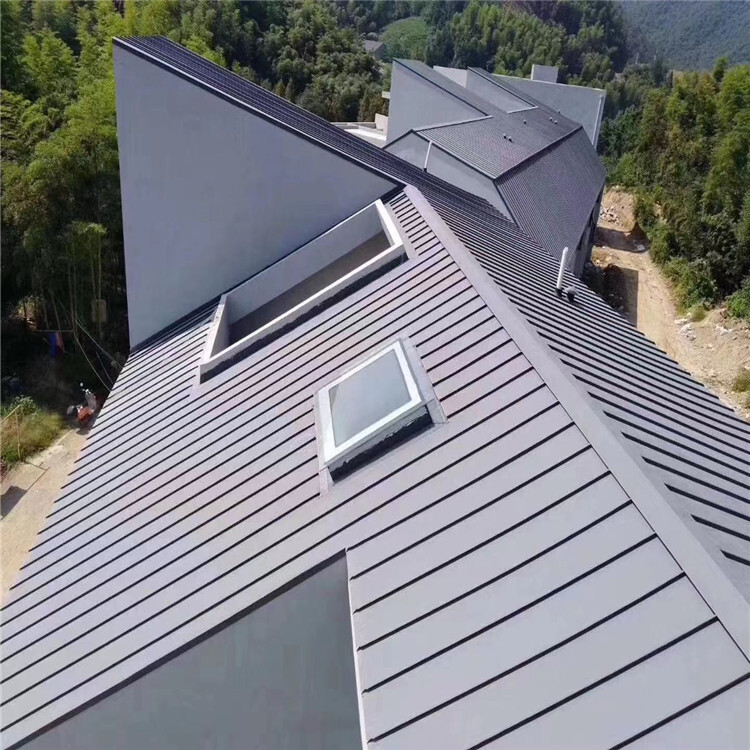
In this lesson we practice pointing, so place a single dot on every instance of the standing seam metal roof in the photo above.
(697, 449)
(506, 589)
(493, 562)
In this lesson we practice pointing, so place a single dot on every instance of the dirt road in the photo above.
(712, 350)
(28, 492)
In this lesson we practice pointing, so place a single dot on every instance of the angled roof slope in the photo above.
(498, 568)
(697, 449)
(515, 566)
(551, 195)
(543, 164)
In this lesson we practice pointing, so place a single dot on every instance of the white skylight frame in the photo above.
(334, 456)
(217, 352)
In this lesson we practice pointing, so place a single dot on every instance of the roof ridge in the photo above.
(625, 465)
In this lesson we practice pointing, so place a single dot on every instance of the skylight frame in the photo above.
(334, 456)
(218, 355)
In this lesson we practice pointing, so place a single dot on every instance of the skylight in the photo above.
(316, 275)
(369, 408)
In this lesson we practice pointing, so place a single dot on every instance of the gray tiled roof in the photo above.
(544, 165)
(513, 580)
(552, 194)
(481, 143)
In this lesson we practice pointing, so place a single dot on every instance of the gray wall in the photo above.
(280, 678)
(452, 170)
(579, 103)
(212, 194)
(546, 73)
(411, 148)
(416, 103)
(502, 99)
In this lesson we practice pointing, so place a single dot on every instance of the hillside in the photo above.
(689, 35)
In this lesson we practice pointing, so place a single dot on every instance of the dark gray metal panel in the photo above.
(243, 687)
(553, 194)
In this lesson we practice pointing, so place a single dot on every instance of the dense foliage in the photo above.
(683, 146)
(686, 151)
(689, 35)
(62, 245)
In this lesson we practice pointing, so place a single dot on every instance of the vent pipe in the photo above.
(570, 291)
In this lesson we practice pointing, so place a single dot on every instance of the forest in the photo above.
(679, 141)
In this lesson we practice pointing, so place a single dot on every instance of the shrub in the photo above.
(738, 305)
(742, 381)
(645, 212)
(661, 243)
(692, 282)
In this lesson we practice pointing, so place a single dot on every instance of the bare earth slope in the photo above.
(712, 350)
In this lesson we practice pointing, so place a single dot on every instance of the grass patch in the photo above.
(27, 430)
(742, 381)
(697, 313)
(738, 305)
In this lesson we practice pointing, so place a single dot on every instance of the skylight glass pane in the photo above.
(367, 396)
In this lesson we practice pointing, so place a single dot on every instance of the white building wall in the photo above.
(212, 194)
(416, 103)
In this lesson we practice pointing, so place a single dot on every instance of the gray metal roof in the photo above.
(696, 448)
(493, 562)
(553, 194)
(516, 578)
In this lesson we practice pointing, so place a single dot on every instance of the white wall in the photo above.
(212, 194)
(496, 95)
(416, 103)
(457, 75)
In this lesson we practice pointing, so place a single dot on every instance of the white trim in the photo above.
(212, 358)
(334, 454)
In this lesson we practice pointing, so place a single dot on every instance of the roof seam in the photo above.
(628, 469)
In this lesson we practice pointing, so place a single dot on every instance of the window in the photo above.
(369, 409)
(316, 275)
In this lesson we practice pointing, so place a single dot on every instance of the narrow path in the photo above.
(713, 350)
(29, 490)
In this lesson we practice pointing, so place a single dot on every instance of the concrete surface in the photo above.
(28, 493)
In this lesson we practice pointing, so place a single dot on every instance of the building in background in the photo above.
(492, 136)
